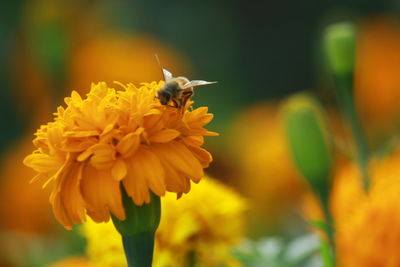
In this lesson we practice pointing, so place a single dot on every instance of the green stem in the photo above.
(330, 230)
(138, 229)
(139, 249)
(346, 100)
(191, 259)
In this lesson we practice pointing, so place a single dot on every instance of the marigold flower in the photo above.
(193, 225)
(368, 225)
(378, 70)
(113, 138)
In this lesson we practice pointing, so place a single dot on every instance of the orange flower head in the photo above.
(117, 140)
(368, 224)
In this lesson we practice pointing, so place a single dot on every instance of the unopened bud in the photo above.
(340, 41)
(309, 141)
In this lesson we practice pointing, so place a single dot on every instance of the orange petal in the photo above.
(42, 162)
(85, 154)
(164, 136)
(179, 157)
(103, 156)
(70, 194)
(174, 180)
(65, 212)
(102, 194)
(135, 184)
(147, 172)
(119, 170)
(202, 155)
(153, 170)
(152, 123)
(78, 144)
(193, 140)
(128, 145)
(38, 176)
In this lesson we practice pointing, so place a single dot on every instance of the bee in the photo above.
(177, 90)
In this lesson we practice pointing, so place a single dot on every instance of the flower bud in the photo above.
(339, 42)
(309, 141)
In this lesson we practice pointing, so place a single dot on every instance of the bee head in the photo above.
(164, 96)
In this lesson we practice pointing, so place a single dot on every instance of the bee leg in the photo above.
(176, 104)
(181, 104)
(185, 97)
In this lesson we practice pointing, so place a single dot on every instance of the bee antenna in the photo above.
(159, 64)
(158, 61)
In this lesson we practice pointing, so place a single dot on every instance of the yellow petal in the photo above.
(80, 133)
(164, 136)
(119, 170)
(76, 97)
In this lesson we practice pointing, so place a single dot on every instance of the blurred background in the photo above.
(259, 53)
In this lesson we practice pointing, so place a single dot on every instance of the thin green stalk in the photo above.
(329, 247)
(330, 231)
(191, 259)
(346, 100)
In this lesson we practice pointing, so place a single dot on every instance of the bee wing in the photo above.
(195, 83)
(167, 75)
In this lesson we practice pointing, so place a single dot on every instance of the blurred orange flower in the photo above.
(28, 213)
(116, 57)
(377, 76)
(72, 262)
(266, 173)
(368, 226)
(113, 137)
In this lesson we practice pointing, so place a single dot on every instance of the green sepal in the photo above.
(139, 219)
(138, 230)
